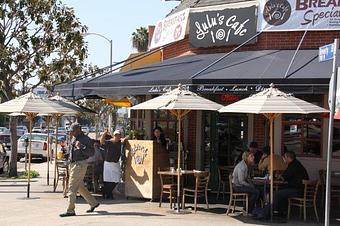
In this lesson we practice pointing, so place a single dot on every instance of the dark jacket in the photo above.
(86, 148)
(112, 151)
(294, 174)
(162, 140)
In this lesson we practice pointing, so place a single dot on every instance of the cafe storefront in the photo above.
(200, 56)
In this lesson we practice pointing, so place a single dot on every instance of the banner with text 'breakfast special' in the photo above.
(287, 15)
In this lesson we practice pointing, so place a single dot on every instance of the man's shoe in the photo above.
(92, 208)
(67, 214)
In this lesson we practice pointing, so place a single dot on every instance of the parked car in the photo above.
(5, 139)
(39, 145)
(4, 159)
(37, 130)
(4, 130)
(21, 130)
(92, 129)
(85, 129)
(62, 130)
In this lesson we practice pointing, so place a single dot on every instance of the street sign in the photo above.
(326, 52)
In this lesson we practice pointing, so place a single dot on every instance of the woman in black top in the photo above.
(158, 136)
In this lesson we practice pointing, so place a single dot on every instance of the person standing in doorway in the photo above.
(112, 170)
(80, 150)
(158, 136)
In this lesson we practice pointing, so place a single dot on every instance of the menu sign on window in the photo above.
(231, 26)
(286, 15)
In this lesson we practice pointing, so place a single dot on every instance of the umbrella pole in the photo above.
(271, 122)
(178, 163)
(30, 118)
(48, 119)
(55, 153)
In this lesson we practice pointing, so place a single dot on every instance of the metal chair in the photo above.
(200, 189)
(223, 179)
(309, 199)
(236, 197)
(168, 186)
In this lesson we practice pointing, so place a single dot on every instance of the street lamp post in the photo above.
(110, 41)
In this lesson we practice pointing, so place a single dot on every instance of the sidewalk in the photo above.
(44, 206)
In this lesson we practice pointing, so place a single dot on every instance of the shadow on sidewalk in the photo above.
(105, 213)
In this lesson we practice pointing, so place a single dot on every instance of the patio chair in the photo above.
(335, 190)
(200, 189)
(168, 186)
(308, 200)
(223, 179)
(236, 197)
(62, 174)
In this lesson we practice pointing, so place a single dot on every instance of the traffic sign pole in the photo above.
(330, 133)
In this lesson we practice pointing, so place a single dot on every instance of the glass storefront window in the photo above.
(302, 135)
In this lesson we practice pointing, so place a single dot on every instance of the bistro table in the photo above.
(263, 181)
(175, 173)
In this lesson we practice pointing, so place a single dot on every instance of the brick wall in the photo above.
(268, 40)
(259, 130)
(192, 116)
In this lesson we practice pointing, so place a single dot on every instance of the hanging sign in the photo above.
(231, 26)
(287, 15)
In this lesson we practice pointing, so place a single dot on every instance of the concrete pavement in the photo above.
(44, 207)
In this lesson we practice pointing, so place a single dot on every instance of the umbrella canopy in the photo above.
(31, 103)
(271, 102)
(178, 99)
(179, 102)
(69, 104)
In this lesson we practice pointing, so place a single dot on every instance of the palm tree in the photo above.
(140, 39)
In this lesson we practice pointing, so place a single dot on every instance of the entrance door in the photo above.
(232, 132)
(224, 137)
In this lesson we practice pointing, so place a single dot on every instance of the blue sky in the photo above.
(116, 20)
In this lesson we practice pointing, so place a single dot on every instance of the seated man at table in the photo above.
(241, 183)
(278, 162)
(293, 175)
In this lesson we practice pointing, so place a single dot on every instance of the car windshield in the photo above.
(3, 129)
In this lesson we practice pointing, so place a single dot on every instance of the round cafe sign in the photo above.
(277, 12)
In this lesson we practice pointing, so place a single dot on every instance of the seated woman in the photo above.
(158, 136)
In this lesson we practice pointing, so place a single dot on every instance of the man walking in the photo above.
(80, 150)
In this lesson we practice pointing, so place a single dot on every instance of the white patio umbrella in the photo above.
(179, 102)
(31, 105)
(74, 109)
(272, 102)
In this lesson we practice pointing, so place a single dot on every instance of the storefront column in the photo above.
(250, 127)
(199, 150)
(278, 135)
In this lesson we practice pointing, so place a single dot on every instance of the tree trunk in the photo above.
(14, 153)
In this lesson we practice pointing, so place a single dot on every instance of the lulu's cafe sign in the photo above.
(231, 26)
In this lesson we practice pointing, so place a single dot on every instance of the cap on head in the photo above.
(74, 127)
(116, 132)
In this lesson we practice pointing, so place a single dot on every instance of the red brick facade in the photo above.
(268, 40)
